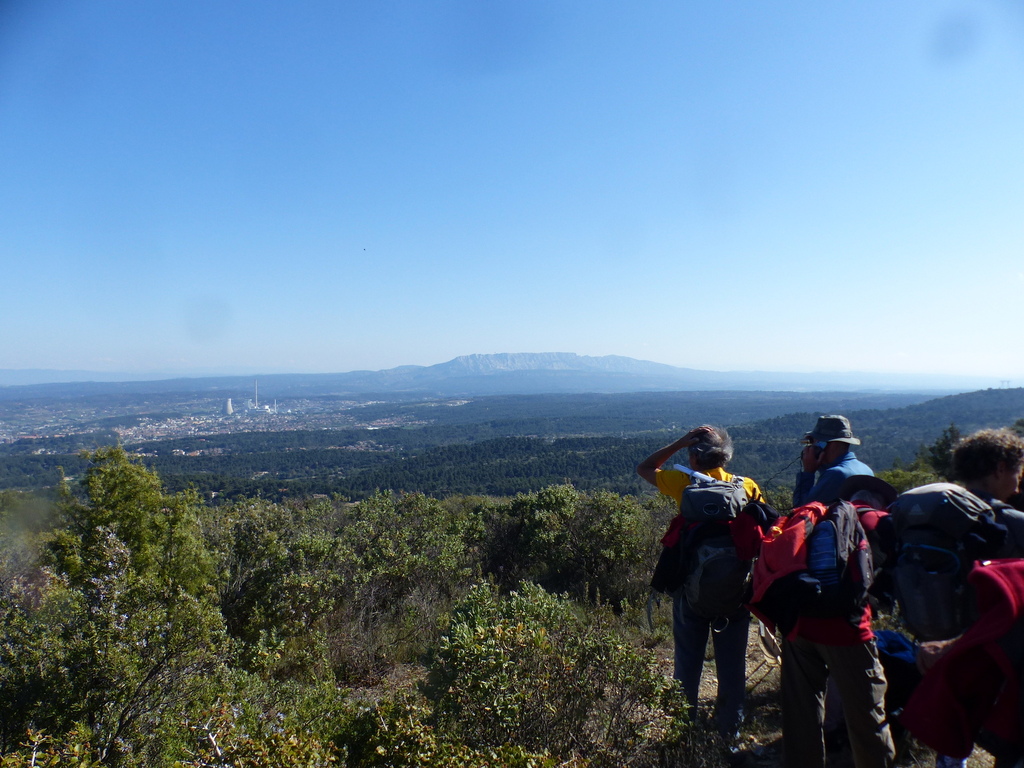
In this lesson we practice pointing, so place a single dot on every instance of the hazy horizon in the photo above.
(20, 377)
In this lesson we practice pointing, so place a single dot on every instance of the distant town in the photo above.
(137, 420)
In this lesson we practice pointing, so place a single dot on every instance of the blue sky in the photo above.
(197, 187)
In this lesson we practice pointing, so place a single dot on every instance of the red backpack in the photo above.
(814, 562)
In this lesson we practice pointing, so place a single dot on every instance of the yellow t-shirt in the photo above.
(671, 482)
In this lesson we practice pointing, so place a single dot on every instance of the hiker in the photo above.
(709, 450)
(971, 690)
(815, 650)
(990, 464)
(870, 496)
(811, 581)
(827, 452)
(943, 530)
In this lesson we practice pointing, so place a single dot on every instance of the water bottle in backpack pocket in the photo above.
(816, 563)
(823, 560)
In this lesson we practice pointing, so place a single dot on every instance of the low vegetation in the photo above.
(140, 627)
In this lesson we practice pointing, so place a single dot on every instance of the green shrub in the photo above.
(779, 496)
(403, 561)
(398, 733)
(596, 546)
(311, 589)
(534, 670)
(42, 751)
(220, 740)
(278, 579)
(903, 477)
(119, 635)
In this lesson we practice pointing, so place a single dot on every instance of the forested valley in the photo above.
(477, 598)
(514, 444)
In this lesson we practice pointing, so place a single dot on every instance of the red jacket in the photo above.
(975, 687)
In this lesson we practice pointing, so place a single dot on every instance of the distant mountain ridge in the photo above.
(503, 373)
(551, 361)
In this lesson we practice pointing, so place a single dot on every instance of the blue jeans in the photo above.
(729, 638)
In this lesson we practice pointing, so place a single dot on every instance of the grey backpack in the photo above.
(941, 529)
(713, 500)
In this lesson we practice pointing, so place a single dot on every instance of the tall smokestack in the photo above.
(256, 384)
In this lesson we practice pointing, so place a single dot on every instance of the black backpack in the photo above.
(716, 580)
(941, 529)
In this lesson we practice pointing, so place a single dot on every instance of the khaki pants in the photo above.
(858, 674)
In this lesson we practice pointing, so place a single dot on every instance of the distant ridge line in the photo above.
(489, 374)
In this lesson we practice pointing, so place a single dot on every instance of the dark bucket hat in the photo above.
(832, 429)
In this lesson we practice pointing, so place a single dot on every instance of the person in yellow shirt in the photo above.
(709, 450)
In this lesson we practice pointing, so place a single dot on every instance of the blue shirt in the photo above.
(830, 478)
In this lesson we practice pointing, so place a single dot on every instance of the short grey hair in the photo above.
(712, 450)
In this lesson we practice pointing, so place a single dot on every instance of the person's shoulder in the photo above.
(671, 481)
(753, 489)
(864, 469)
(855, 466)
(1012, 519)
